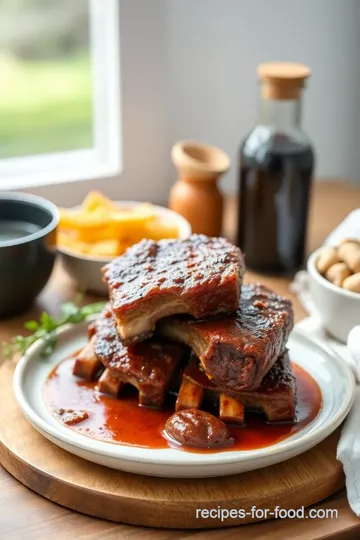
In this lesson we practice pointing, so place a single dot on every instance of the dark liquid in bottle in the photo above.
(275, 182)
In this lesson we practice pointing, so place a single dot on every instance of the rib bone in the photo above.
(87, 364)
(108, 384)
(190, 396)
(231, 410)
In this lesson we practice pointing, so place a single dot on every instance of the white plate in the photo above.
(333, 376)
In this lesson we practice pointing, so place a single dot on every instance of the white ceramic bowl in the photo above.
(338, 308)
(86, 270)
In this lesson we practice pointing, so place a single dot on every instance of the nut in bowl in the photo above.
(335, 287)
(92, 234)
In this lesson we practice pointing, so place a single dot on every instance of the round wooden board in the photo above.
(157, 502)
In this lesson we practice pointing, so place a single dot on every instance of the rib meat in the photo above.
(200, 276)
(237, 351)
(149, 366)
(275, 397)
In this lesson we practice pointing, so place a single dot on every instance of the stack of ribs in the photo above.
(180, 319)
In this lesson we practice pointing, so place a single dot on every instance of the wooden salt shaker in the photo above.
(196, 194)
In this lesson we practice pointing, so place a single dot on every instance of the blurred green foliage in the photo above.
(45, 105)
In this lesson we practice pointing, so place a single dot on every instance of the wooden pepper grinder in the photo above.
(196, 195)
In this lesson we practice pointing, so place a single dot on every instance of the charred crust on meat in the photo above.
(200, 275)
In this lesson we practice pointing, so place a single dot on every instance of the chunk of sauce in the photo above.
(70, 417)
(122, 421)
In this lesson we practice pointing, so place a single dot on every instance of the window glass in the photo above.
(45, 77)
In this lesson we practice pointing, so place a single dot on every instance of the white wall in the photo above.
(214, 47)
(145, 111)
(188, 70)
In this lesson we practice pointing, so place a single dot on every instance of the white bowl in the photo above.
(86, 270)
(338, 308)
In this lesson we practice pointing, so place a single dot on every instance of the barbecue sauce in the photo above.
(122, 421)
(275, 183)
(275, 175)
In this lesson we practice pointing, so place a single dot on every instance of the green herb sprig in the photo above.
(45, 328)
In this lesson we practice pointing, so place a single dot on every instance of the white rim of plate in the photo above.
(220, 458)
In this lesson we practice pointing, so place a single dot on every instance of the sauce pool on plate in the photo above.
(122, 421)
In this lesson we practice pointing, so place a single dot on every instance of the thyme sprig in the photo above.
(45, 328)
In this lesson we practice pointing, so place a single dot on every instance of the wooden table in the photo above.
(25, 515)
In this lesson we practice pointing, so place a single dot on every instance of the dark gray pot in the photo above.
(25, 262)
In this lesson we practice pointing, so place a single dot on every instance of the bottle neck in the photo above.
(280, 114)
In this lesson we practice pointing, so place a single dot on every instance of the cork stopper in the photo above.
(282, 80)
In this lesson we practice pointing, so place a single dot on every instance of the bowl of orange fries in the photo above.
(100, 229)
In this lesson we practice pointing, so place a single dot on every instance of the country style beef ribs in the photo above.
(237, 351)
(275, 397)
(200, 276)
(149, 366)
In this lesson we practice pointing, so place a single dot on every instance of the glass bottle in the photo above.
(276, 167)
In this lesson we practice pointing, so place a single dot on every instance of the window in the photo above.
(60, 95)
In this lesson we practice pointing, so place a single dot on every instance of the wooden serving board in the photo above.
(157, 502)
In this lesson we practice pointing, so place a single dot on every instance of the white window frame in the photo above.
(105, 158)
